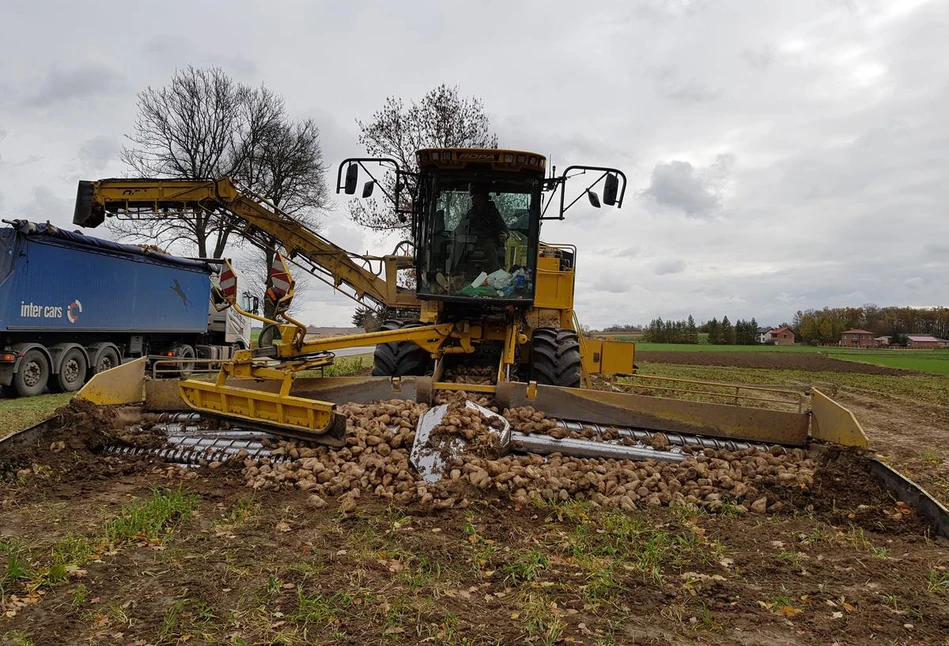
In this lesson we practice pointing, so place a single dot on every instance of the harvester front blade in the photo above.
(311, 420)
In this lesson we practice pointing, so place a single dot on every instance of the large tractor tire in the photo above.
(399, 359)
(555, 357)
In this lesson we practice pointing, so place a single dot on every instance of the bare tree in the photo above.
(441, 118)
(285, 166)
(205, 125)
(192, 128)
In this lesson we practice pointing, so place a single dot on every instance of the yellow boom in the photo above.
(253, 217)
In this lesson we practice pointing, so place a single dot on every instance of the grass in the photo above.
(910, 388)
(526, 567)
(541, 622)
(938, 581)
(23, 412)
(151, 519)
(935, 362)
(320, 608)
(182, 618)
(16, 638)
(14, 564)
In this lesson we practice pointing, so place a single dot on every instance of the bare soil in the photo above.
(811, 362)
(841, 562)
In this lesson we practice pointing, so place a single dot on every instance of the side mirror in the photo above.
(610, 190)
(352, 178)
(594, 199)
(256, 305)
(367, 188)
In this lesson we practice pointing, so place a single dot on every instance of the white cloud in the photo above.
(791, 155)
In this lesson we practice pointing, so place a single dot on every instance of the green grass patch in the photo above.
(342, 367)
(938, 581)
(321, 609)
(934, 362)
(912, 388)
(185, 617)
(23, 412)
(16, 638)
(15, 564)
(542, 624)
(526, 567)
(151, 519)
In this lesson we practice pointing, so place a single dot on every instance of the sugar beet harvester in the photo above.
(490, 299)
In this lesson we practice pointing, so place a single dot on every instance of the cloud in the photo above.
(679, 186)
(664, 267)
(96, 153)
(672, 85)
(939, 251)
(837, 131)
(622, 252)
(79, 82)
(46, 206)
(180, 51)
(760, 58)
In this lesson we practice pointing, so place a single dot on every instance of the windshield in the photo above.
(7, 248)
(478, 237)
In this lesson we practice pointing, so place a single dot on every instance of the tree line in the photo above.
(724, 333)
(826, 325)
(718, 332)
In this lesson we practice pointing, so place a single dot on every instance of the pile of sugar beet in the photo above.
(379, 437)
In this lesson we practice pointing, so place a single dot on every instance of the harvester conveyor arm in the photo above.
(329, 262)
(427, 337)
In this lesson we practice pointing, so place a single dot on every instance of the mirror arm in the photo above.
(563, 209)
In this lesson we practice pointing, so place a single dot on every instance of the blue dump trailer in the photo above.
(72, 305)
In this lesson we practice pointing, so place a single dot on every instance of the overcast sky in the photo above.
(781, 155)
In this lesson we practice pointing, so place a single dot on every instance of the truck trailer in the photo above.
(72, 305)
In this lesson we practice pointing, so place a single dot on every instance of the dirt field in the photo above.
(771, 360)
(103, 550)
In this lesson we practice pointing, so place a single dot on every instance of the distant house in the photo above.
(922, 342)
(782, 336)
(764, 334)
(857, 339)
(883, 341)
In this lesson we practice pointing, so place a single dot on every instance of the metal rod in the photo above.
(676, 439)
(545, 445)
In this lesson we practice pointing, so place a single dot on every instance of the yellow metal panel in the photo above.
(659, 413)
(120, 385)
(834, 423)
(592, 352)
(296, 413)
(617, 358)
(554, 289)
(163, 394)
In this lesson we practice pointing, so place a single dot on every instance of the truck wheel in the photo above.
(185, 369)
(72, 372)
(32, 374)
(108, 358)
(555, 357)
(399, 359)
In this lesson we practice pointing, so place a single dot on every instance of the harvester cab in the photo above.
(475, 221)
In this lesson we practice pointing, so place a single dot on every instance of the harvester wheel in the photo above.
(399, 359)
(555, 357)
